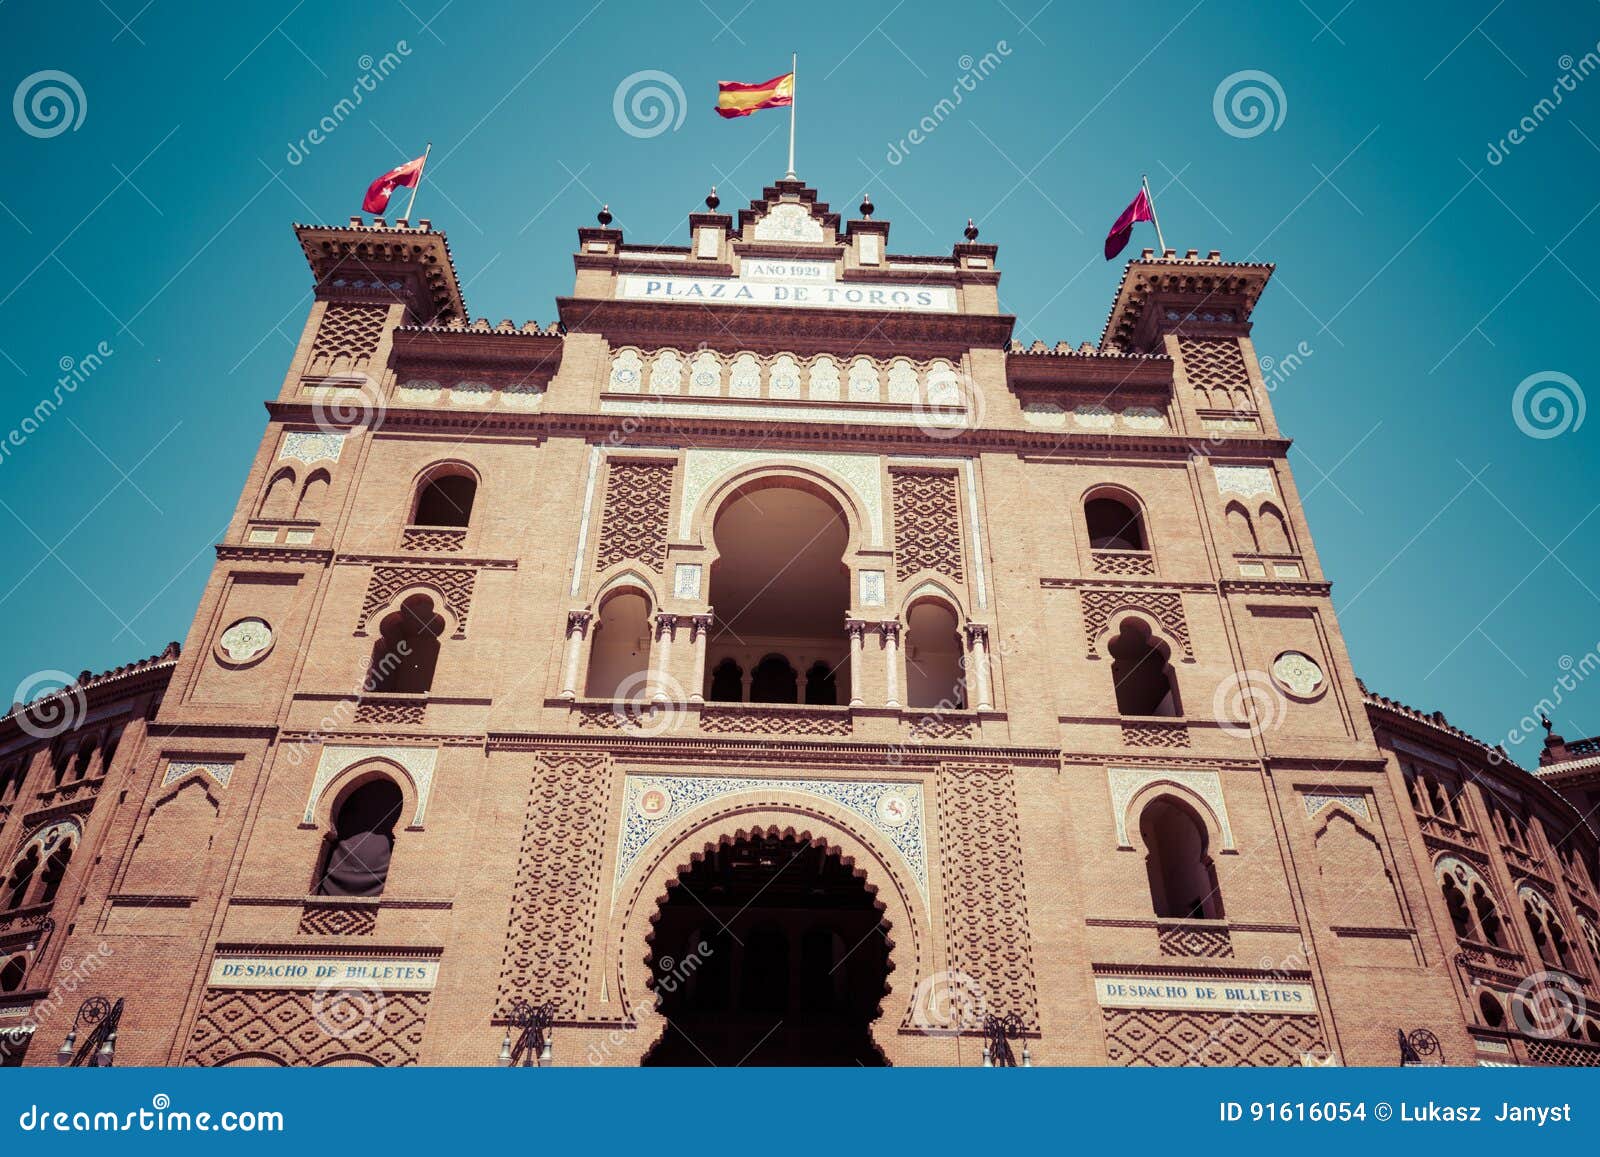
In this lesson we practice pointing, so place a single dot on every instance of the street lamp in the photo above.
(535, 1038)
(1000, 1031)
(99, 1047)
(1419, 1047)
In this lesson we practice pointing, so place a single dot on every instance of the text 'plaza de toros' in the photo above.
(773, 663)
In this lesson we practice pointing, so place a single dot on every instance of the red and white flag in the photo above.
(402, 176)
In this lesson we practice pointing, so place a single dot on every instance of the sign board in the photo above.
(1207, 995)
(394, 974)
(806, 291)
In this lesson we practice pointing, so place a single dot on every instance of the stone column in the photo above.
(978, 664)
(577, 629)
(699, 635)
(891, 655)
(660, 671)
(856, 629)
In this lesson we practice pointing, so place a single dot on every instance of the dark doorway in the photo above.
(769, 951)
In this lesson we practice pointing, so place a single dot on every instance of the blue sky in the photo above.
(1427, 279)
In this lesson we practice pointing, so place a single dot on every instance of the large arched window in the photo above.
(445, 499)
(774, 681)
(619, 656)
(727, 682)
(12, 974)
(278, 500)
(357, 863)
(822, 689)
(1474, 914)
(407, 649)
(934, 676)
(55, 870)
(20, 880)
(1456, 903)
(1114, 524)
(1141, 674)
(1183, 883)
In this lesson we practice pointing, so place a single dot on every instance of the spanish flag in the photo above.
(736, 99)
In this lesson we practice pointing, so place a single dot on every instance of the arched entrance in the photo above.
(769, 950)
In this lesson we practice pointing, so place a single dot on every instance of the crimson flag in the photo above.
(1139, 210)
(379, 192)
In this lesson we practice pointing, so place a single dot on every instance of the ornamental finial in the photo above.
(971, 231)
(604, 216)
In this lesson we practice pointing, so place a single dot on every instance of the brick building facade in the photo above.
(772, 662)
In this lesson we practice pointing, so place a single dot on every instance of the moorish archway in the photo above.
(768, 950)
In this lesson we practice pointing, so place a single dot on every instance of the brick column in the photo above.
(978, 664)
(660, 655)
(577, 629)
(891, 654)
(699, 633)
(857, 629)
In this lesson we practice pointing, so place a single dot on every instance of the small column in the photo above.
(665, 626)
(978, 642)
(699, 635)
(891, 655)
(577, 629)
(856, 629)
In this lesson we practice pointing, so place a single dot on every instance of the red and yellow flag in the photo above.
(736, 99)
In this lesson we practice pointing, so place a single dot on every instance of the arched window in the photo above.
(1490, 1009)
(1141, 674)
(11, 780)
(1241, 530)
(21, 878)
(55, 870)
(60, 760)
(278, 500)
(12, 974)
(822, 689)
(407, 649)
(619, 656)
(774, 681)
(446, 500)
(109, 751)
(85, 759)
(727, 683)
(312, 496)
(1113, 525)
(1460, 914)
(358, 857)
(1488, 916)
(934, 675)
(1183, 883)
(1274, 532)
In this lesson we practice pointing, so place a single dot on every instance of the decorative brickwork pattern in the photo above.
(1148, 734)
(388, 712)
(942, 727)
(338, 920)
(550, 939)
(638, 506)
(349, 331)
(1209, 943)
(1124, 563)
(986, 902)
(452, 584)
(432, 538)
(1166, 607)
(927, 524)
(1551, 1052)
(774, 721)
(1165, 1039)
(1217, 373)
(283, 1024)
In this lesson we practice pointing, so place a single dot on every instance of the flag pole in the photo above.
(411, 204)
(1154, 220)
(794, 61)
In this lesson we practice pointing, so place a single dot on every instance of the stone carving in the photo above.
(650, 802)
(1127, 782)
(986, 902)
(1298, 673)
(686, 577)
(291, 1026)
(1166, 607)
(863, 380)
(1246, 481)
(637, 509)
(666, 373)
(788, 221)
(556, 895)
(1094, 417)
(627, 371)
(1162, 1038)
(744, 379)
(182, 769)
(246, 640)
(705, 374)
(349, 331)
(860, 472)
(872, 593)
(1316, 801)
(452, 584)
(927, 524)
(305, 446)
(825, 379)
(783, 380)
(417, 762)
